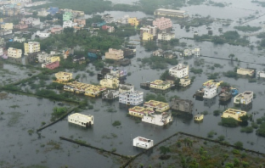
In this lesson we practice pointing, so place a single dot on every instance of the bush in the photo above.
(157, 97)
(238, 145)
(230, 74)
(196, 71)
(116, 123)
(58, 112)
(216, 112)
(247, 129)
(229, 122)
(261, 130)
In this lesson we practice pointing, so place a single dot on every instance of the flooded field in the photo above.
(21, 115)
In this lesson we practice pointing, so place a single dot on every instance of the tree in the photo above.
(231, 56)
(164, 150)
(238, 145)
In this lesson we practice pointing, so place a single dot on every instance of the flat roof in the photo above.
(171, 10)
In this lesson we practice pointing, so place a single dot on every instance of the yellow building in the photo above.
(62, 77)
(31, 47)
(53, 59)
(147, 36)
(157, 106)
(7, 26)
(84, 88)
(233, 113)
(110, 83)
(198, 117)
(94, 91)
(1, 20)
(138, 111)
(14, 53)
(161, 85)
(133, 21)
(184, 82)
(243, 71)
(212, 82)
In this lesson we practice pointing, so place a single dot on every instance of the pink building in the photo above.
(162, 23)
(53, 65)
(21, 26)
(56, 30)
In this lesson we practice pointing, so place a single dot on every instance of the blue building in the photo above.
(53, 10)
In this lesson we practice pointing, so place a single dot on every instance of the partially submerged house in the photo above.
(142, 142)
(62, 77)
(138, 111)
(158, 119)
(157, 106)
(181, 105)
(233, 113)
(110, 94)
(131, 98)
(244, 98)
(245, 72)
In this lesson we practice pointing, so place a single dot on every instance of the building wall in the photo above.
(114, 54)
(14, 53)
(162, 23)
(7, 26)
(133, 21)
(179, 73)
(147, 36)
(31, 47)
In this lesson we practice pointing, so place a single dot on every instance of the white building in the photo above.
(69, 24)
(179, 71)
(131, 98)
(148, 29)
(210, 91)
(20, 40)
(165, 36)
(43, 13)
(123, 20)
(158, 119)
(110, 94)
(42, 57)
(142, 142)
(14, 53)
(244, 98)
(35, 22)
(5, 32)
(261, 74)
(81, 119)
(42, 34)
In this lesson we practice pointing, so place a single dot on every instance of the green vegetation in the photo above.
(196, 71)
(261, 130)
(247, 129)
(195, 2)
(58, 112)
(157, 97)
(116, 123)
(81, 38)
(213, 76)
(230, 37)
(216, 112)
(229, 122)
(247, 28)
(238, 145)
(218, 4)
(150, 46)
(158, 62)
(230, 74)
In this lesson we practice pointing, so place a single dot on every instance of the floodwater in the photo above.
(26, 149)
